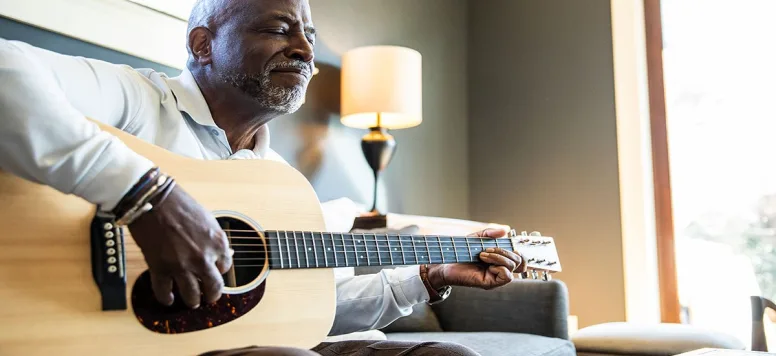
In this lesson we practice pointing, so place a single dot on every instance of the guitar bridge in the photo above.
(108, 262)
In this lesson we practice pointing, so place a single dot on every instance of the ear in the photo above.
(200, 43)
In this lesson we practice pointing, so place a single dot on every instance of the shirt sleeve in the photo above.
(373, 301)
(45, 137)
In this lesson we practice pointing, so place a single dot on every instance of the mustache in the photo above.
(306, 68)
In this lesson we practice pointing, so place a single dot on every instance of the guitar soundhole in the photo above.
(244, 288)
(250, 253)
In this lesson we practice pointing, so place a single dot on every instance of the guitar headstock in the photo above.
(539, 252)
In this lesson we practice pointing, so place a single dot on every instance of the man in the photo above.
(250, 61)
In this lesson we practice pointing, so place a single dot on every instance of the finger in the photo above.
(162, 286)
(498, 260)
(516, 258)
(490, 232)
(212, 285)
(188, 289)
(503, 276)
(224, 262)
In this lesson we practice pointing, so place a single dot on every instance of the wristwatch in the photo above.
(435, 295)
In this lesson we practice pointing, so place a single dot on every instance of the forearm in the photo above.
(46, 139)
(373, 301)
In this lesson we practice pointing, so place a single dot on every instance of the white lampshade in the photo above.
(385, 80)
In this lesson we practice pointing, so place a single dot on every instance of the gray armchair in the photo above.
(526, 317)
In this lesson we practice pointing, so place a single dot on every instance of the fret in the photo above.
(331, 251)
(323, 243)
(491, 243)
(377, 250)
(439, 240)
(460, 253)
(455, 249)
(411, 252)
(314, 249)
(355, 249)
(288, 249)
(428, 250)
(390, 249)
(296, 248)
(318, 249)
(482, 242)
(367, 250)
(279, 252)
(306, 256)
(446, 253)
(414, 249)
(401, 245)
(469, 248)
(344, 250)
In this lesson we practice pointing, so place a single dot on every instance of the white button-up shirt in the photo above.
(44, 137)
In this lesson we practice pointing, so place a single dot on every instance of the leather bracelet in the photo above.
(134, 193)
(144, 205)
(435, 295)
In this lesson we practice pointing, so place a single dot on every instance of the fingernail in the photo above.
(491, 249)
(484, 254)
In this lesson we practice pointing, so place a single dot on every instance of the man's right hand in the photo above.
(182, 242)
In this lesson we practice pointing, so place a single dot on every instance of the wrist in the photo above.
(433, 280)
(436, 278)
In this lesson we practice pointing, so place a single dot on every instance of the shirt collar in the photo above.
(189, 99)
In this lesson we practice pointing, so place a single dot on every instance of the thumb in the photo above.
(490, 232)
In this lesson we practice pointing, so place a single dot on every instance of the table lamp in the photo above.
(381, 90)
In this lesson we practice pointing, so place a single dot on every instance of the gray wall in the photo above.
(542, 137)
(429, 173)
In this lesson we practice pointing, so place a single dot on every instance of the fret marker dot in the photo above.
(361, 256)
(309, 249)
(329, 248)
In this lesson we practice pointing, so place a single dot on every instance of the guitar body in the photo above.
(51, 305)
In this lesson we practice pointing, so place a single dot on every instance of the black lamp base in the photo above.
(378, 147)
(369, 222)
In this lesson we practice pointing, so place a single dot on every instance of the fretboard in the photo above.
(297, 249)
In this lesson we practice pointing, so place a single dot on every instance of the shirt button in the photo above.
(214, 132)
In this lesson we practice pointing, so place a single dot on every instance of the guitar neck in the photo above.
(296, 249)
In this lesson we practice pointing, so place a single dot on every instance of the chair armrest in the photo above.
(523, 306)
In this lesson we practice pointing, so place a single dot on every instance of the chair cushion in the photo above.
(622, 338)
(496, 343)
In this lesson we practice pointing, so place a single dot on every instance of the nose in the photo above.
(301, 49)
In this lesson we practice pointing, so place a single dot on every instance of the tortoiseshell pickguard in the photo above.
(178, 318)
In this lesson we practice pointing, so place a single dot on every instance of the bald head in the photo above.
(263, 48)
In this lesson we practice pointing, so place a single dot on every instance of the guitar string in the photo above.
(381, 238)
(294, 261)
(498, 241)
(350, 237)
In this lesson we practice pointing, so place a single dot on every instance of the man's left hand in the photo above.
(495, 270)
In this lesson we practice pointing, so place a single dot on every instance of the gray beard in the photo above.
(269, 96)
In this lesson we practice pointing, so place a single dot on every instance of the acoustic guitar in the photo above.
(73, 283)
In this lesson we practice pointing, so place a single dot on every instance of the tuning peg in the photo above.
(523, 275)
(512, 233)
(534, 275)
(536, 233)
(546, 276)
